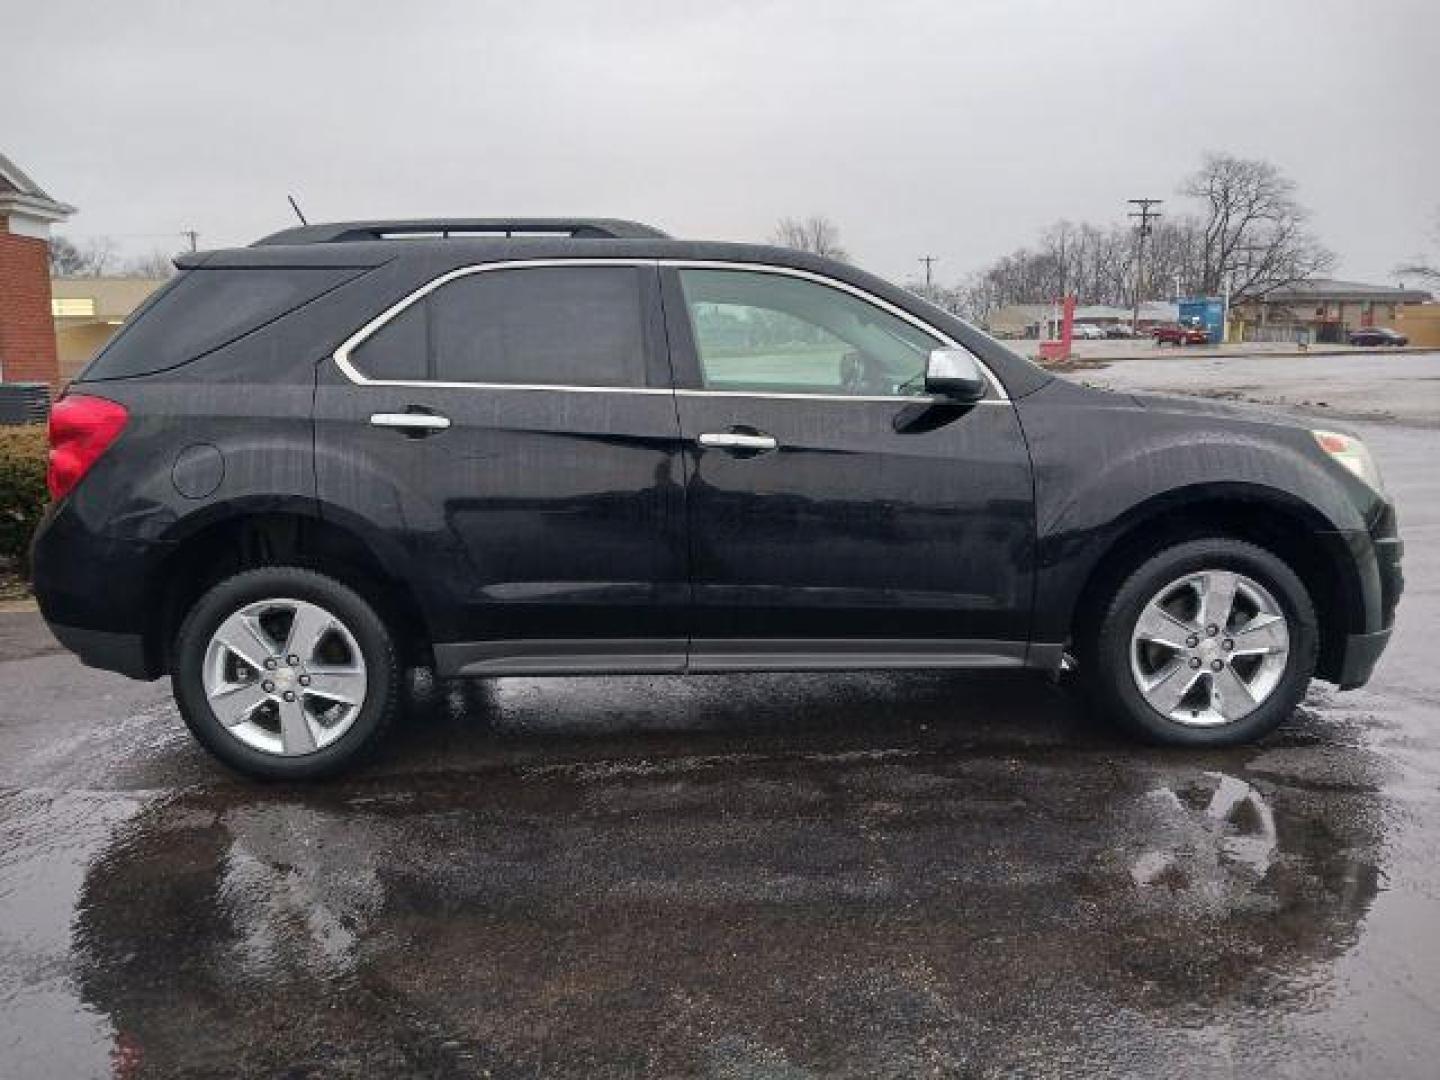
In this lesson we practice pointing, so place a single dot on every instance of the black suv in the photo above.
(564, 447)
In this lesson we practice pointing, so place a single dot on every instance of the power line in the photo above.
(115, 235)
(1145, 215)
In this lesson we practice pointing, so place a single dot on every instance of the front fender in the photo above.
(1105, 464)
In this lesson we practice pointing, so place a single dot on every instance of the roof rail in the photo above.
(446, 228)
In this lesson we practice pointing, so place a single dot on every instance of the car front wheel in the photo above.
(285, 674)
(1210, 642)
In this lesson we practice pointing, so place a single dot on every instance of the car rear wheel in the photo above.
(285, 673)
(1210, 642)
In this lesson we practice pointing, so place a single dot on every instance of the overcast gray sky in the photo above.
(953, 128)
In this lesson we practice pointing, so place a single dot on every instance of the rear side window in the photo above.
(567, 326)
(205, 309)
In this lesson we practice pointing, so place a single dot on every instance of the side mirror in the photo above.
(955, 374)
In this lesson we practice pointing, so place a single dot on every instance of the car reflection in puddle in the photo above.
(753, 892)
(1231, 836)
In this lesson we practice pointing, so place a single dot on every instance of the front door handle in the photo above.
(730, 440)
(411, 423)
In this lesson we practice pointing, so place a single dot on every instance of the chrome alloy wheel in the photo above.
(1209, 648)
(285, 677)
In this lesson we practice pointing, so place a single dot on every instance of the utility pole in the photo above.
(193, 236)
(1145, 215)
(929, 261)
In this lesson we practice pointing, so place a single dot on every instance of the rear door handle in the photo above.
(730, 440)
(412, 423)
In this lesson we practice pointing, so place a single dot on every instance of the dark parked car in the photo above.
(1377, 335)
(1119, 330)
(580, 447)
(1178, 334)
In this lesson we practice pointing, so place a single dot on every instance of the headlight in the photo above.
(1350, 452)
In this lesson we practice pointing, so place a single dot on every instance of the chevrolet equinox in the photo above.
(576, 447)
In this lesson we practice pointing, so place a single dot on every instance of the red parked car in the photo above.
(1176, 334)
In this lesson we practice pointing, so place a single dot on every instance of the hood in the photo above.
(1276, 415)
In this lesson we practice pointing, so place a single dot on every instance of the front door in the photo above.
(515, 429)
(838, 515)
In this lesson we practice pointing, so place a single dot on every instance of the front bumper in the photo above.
(1361, 654)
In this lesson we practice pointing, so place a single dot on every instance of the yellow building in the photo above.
(1321, 309)
(1420, 323)
(88, 311)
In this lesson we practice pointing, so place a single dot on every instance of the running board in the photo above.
(850, 654)
(674, 656)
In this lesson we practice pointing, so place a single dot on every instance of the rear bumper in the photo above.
(93, 591)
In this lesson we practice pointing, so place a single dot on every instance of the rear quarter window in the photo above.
(202, 310)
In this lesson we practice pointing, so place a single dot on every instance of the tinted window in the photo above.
(399, 349)
(205, 309)
(572, 326)
(772, 332)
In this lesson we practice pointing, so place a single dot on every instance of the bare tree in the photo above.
(1250, 235)
(65, 258)
(816, 234)
(1094, 263)
(976, 297)
(1425, 267)
(1253, 232)
(90, 259)
(947, 299)
(1173, 257)
(156, 264)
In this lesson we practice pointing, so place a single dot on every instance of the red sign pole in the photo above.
(1060, 350)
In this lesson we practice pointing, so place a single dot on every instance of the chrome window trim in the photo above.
(341, 356)
(776, 395)
(342, 359)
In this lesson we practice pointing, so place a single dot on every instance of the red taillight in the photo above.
(81, 429)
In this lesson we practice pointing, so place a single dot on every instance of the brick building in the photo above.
(27, 329)
(1321, 309)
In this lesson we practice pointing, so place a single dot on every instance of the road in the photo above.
(742, 876)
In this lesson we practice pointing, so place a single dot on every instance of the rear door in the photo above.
(838, 515)
(513, 427)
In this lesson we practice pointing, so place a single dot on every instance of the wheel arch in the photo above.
(243, 537)
(1275, 520)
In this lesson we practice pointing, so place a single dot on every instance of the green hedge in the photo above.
(22, 491)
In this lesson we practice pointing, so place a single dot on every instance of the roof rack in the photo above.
(458, 228)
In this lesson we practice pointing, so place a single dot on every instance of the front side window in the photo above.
(774, 333)
(561, 325)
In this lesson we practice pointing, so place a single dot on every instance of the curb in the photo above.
(1203, 353)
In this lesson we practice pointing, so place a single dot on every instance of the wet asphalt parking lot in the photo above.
(747, 876)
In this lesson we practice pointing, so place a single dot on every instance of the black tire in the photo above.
(1105, 659)
(382, 690)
